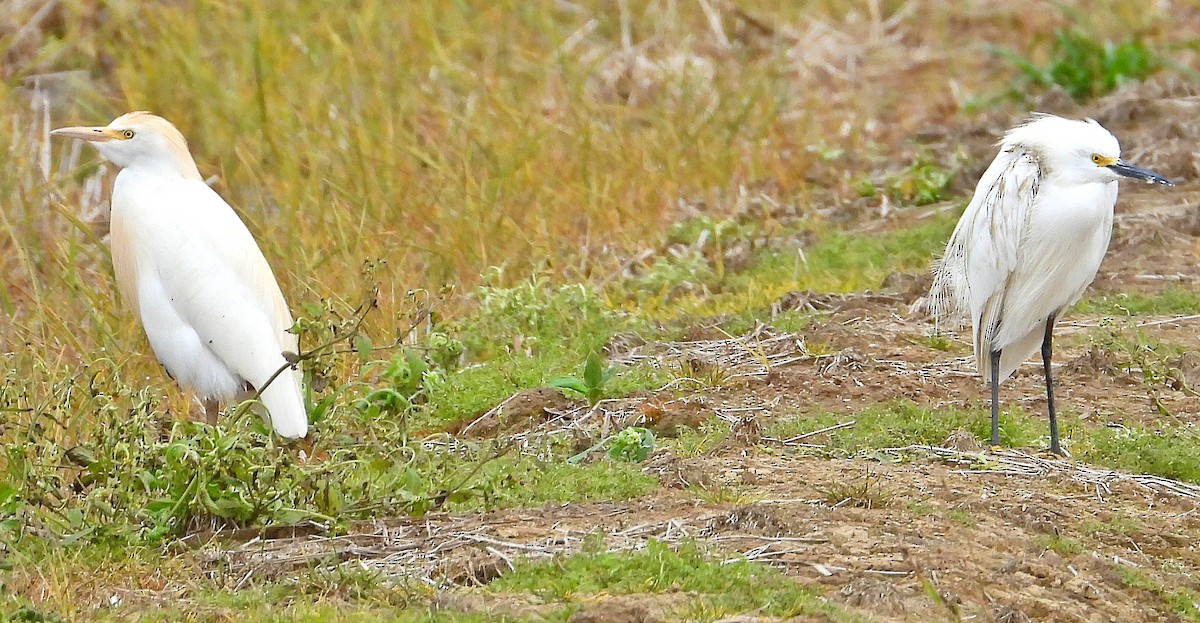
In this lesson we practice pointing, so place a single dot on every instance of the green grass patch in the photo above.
(1118, 524)
(1172, 453)
(304, 611)
(721, 590)
(838, 261)
(145, 482)
(902, 423)
(693, 442)
(1084, 65)
(1061, 545)
(1174, 300)
(846, 261)
(529, 482)
(962, 518)
(1182, 602)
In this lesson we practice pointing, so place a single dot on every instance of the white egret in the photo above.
(1030, 242)
(188, 266)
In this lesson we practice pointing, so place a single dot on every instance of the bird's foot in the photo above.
(1052, 454)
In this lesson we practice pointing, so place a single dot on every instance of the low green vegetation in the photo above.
(962, 517)
(922, 183)
(860, 492)
(902, 423)
(1061, 545)
(1174, 300)
(715, 590)
(835, 261)
(1168, 452)
(1119, 524)
(1181, 602)
(1083, 64)
(1173, 453)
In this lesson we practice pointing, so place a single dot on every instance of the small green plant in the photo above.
(631, 445)
(962, 518)
(10, 506)
(866, 492)
(703, 372)
(937, 341)
(521, 317)
(403, 379)
(1084, 66)
(695, 441)
(922, 183)
(591, 383)
(1063, 546)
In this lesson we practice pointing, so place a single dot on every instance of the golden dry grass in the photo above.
(447, 138)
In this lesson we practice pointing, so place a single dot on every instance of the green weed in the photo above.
(1085, 66)
(1062, 545)
(703, 373)
(590, 384)
(865, 492)
(936, 341)
(837, 261)
(962, 518)
(922, 183)
(534, 316)
(693, 442)
(631, 445)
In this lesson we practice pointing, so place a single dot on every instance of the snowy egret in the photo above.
(188, 266)
(1030, 242)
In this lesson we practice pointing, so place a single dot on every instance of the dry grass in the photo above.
(445, 139)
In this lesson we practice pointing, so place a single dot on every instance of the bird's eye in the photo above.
(128, 134)
(1097, 158)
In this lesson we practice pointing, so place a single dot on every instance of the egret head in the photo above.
(1078, 152)
(139, 139)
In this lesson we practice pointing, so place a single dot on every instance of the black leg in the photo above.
(995, 360)
(1047, 353)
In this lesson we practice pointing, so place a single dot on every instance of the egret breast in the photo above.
(1067, 237)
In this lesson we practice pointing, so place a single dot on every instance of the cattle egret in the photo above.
(1030, 242)
(186, 263)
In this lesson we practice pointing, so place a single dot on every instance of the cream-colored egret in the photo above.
(1030, 242)
(188, 266)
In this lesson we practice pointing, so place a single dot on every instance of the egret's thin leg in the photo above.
(212, 409)
(1047, 353)
(995, 398)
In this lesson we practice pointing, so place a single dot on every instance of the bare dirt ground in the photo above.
(929, 537)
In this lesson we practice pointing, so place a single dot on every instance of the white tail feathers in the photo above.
(285, 405)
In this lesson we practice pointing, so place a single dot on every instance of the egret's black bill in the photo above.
(1138, 173)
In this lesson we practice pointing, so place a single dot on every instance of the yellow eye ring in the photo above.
(128, 134)
(1097, 158)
